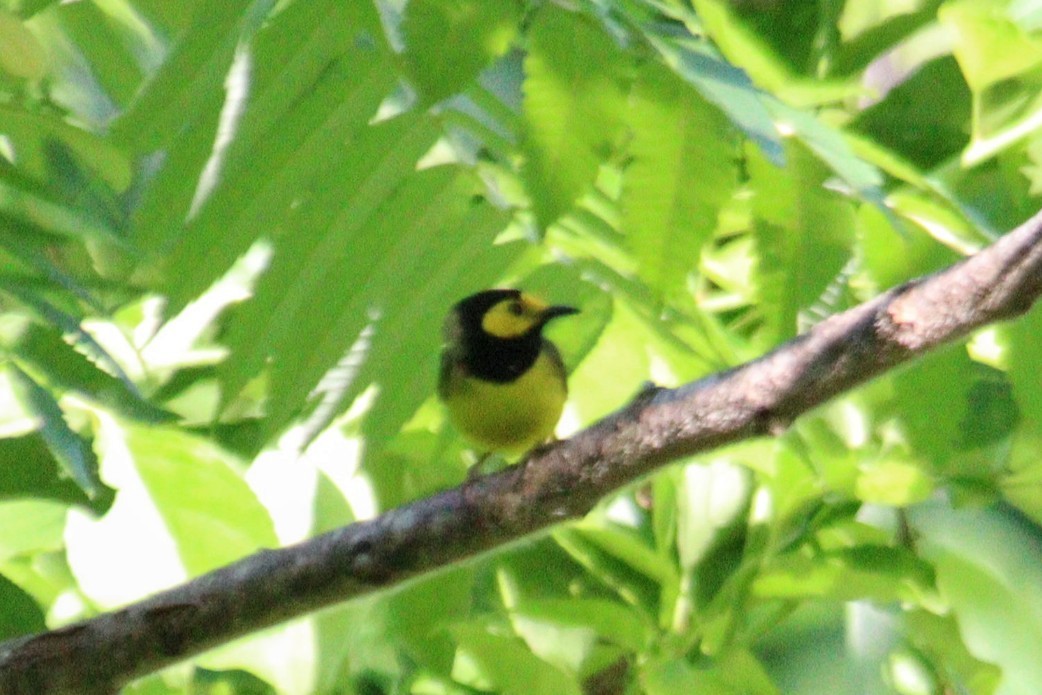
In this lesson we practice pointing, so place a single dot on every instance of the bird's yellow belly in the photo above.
(513, 417)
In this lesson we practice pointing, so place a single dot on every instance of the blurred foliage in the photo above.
(229, 232)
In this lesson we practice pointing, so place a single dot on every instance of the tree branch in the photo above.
(758, 398)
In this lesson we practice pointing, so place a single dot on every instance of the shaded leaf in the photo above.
(65, 444)
(573, 107)
(683, 170)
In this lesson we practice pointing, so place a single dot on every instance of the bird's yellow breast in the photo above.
(511, 417)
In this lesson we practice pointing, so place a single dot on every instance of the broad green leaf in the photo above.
(97, 153)
(118, 54)
(726, 86)
(940, 636)
(991, 47)
(932, 401)
(573, 108)
(21, 614)
(21, 54)
(804, 233)
(857, 52)
(30, 526)
(182, 507)
(894, 483)
(734, 672)
(793, 29)
(856, 177)
(895, 255)
(711, 498)
(683, 169)
(1002, 63)
(1025, 351)
(505, 665)
(986, 569)
(211, 514)
(907, 121)
(606, 620)
(626, 547)
(633, 586)
(879, 573)
(28, 8)
(449, 41)
(69, 325)
(44, 211)
(745, 46)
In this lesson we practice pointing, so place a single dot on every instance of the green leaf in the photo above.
(21, 614)
(209, 510)
(894, 483)
(908, 121)
(331, 255)
(65, 444)
(66, 369)
(940, 636)
(683, 171)
(932, 400)
(805, 235)
(607, 620)
(116, 53)
(30, 526)
(895, 255)
(31, 471)
(21, 54)
(1002, 63)
(308, 108)
(711, 499)
(69, 326)
(733, 673)
(726, 86)
(991, 47)
(879, 573)
(986, 568)
(856, 53)
(449, 41)
(99, 155)
(832, 148)
(169, 103)
(505, 665)
(573, 108)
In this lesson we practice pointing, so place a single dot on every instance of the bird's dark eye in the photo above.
(516, 309)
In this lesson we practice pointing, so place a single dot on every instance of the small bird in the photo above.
(502, 382)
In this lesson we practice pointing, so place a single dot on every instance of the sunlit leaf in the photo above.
(682, 171)
(573, 108)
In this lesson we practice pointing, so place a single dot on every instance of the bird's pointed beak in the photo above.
(555, 311)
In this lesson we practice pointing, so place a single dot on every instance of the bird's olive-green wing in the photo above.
(551, 351)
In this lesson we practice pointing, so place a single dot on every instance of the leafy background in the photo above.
(229, 231)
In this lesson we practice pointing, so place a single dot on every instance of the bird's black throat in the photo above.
(501, 360)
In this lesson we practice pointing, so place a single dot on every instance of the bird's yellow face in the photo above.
(514, 317)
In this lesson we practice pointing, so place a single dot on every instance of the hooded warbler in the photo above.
(502, 382)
